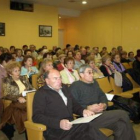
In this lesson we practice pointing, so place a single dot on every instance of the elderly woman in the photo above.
(15, 113)
(107, 68)
(96, 71)
(46, 64)
(69, 75)
(28, 68)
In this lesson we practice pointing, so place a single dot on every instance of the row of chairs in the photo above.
(35, 131)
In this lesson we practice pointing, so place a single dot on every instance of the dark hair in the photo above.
(76, 47)
(71, 52)
(67, 59)
(5, 57)
(25, 59)
(68, 45)
(130, 53)
(45, 54)
(11, 47)
(28, 50)
(24, 46)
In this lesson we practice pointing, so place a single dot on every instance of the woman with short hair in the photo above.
(69, 75)
(15, 113)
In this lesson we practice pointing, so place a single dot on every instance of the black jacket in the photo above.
(49, 108)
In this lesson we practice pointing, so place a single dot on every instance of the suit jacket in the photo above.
(11, 89)
(2, 75)
(49, 108)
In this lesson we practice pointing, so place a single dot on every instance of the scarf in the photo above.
(119, 67)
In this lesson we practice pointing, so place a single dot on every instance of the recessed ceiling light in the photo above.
(84, 2)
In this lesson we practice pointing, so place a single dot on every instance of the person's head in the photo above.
(83, 51)
(116, 58)
(113, 50)
(47, 55)
(61, 58)
(104, 49)
(19, 52)
(32, 48)
(131, 55)
(24, 47)
(96, 50)
(106, 59)
(86, 73)
(53, 79)
(138, 57)
(12, 49)
(14, 56)
(13, 70)
(6, 50)
(124, 54)
(70, 54)
(46, 65)
(68, 46)
(76, 47)
(44, 47)
(120, 49)
(69, 62)
(77, 55)
(91, 62)
(5, 58)
(27, 61)
(1, 50)
(28, 52)
(92, 54)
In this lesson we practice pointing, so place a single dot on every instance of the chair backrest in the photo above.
(105, 85)
(30, 97)
(34, 81)
(131, 64)
(135, 85)
(116, 89)
(126, 66)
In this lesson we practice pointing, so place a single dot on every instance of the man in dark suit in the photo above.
(53, 106)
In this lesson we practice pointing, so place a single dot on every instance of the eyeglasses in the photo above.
(89, 72)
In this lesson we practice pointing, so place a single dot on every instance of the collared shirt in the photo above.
(61, 94)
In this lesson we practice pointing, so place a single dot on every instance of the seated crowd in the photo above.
(70, 72)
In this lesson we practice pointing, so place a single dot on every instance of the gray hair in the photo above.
(83, 67)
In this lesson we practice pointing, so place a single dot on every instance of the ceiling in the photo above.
(73, 5)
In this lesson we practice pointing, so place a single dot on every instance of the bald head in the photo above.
(53, 79)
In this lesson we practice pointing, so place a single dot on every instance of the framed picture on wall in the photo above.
(45, 31)
(2, 29)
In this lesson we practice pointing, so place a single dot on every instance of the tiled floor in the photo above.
(22, 137)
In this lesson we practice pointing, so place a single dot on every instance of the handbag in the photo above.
(118, 78)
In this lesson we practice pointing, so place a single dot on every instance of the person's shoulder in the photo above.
(76, 83)
(7, 79)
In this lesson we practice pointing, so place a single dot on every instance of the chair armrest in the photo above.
(125, 95)
(35, 126)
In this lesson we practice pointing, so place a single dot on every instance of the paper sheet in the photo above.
(25, 92)
(109, 96)
(85, 119)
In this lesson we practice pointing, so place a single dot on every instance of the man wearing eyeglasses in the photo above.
(88, 94)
